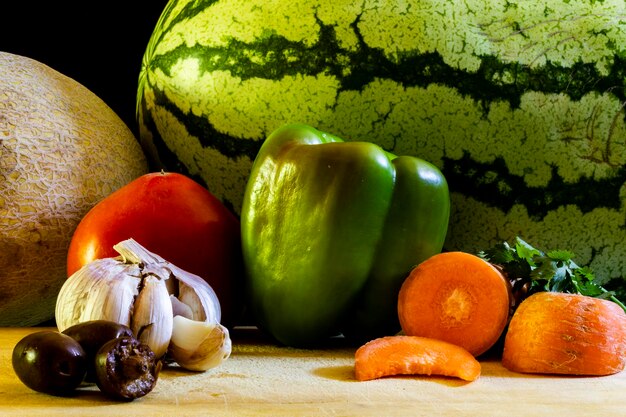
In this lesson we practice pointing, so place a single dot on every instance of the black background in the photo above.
(98, 44)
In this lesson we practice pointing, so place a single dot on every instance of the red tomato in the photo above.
(174, 217)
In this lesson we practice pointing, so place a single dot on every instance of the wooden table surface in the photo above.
(261, 378)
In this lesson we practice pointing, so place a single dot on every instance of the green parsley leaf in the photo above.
(531, 270)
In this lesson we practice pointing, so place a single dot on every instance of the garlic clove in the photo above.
(152, 318)
(103, 289)
(199, 345)
(198, 295)
(179, 308)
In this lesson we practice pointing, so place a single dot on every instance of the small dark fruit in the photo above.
(50, 362)
(92, 335)
(126, 368)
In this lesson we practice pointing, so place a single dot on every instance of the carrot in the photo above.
(405, 355)
(559, 333)
(456, 297)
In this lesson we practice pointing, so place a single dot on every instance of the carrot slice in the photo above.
(408, 355)
(456, 297)
(558, 333)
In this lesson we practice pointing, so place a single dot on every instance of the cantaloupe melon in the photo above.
(62, 149)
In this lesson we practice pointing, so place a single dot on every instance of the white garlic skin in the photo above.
(103, 289)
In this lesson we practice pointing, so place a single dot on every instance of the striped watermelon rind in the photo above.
(520, 104)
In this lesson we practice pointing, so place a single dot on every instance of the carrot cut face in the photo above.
(558, 333)
(412, 355)
(456, 297)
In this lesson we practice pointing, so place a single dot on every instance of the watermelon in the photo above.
(520, 104)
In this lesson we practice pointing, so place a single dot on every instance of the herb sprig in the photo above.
(531, 270)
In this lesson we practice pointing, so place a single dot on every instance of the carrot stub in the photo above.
(558, 333)
(456, 297)
(412, 355)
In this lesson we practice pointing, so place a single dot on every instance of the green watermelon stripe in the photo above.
(494, 185)
(206, 134)
(495, 79)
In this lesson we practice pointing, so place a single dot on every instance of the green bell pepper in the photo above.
(330, 230)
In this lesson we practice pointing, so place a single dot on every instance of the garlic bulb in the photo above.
(144, 292)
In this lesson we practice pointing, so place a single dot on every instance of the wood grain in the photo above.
(262, 379)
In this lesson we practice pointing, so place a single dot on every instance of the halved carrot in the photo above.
(456, 297)
(558, 333)
(408, 355)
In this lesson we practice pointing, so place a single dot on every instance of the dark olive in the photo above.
(50, 362)
(92, 335)
(126, 368)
